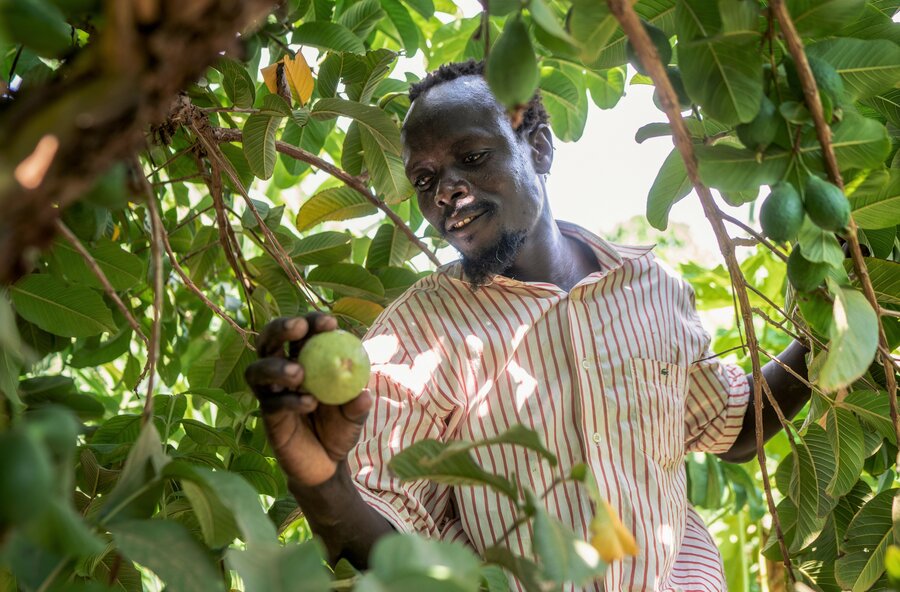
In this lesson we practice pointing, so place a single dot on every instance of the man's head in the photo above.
(477, 179)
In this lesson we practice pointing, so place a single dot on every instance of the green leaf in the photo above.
(879, 209)
(518, 435)
(337, 203)
(389, 247)
(873, 408)
(386, 169)
(888, 104)
(511, 70)
(411, 562)
(737, 169)
(545, 18)
(124, 270)
(524, 570)
(606, 86)
(206, 435)
(563, 557)
(813, 470)
(670, 186)
(361, 311)
(103, 352)
(298, 568)
(322, 248)
(866, 542)
(352, 151)
(138, 489)
(169, 550)
(70, 311)
(361, 17)
(347, 279)
(373, 119)
(328, 36)
(846, 437)
(423, 7)
(724, 75)
(426, 460)
(237, 84)
(565, 102)
(868, 67)
(885, 278)
(820, 245)
(592, 26)
(406, 27)
(259, 143)
(819, 17)
(225, 402)
(276, 106)
(258, 471)
(234, 494)
(850, 351)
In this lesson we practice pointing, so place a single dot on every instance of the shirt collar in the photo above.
(609, 255)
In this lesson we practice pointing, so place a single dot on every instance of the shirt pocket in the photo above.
(659, 393)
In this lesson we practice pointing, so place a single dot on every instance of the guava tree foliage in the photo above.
(160, 212)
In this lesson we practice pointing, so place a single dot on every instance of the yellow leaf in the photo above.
(269, 77)
(609, 536)
(299, 77)
(358, 309)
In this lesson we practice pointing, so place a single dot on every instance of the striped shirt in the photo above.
(615, 374)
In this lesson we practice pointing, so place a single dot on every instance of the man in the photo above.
(595, 346)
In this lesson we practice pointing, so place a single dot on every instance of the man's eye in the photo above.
(422, 182)
(473, 158)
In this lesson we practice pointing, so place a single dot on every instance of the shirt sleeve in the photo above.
(717, 393)
(403, 413)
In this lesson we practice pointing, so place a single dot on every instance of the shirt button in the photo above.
(585, 363)
(597, 437)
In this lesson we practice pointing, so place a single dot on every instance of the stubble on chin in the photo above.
(494, 259)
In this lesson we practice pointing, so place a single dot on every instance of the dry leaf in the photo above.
(299, 77)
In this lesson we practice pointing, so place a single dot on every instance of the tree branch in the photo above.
(648, 55)
(104, 281)
(823, 132)
(222, 134)
(158, 286)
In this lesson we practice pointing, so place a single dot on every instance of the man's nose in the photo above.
(450, 191)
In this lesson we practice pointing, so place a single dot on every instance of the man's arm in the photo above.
(790, 392)
(311, 441)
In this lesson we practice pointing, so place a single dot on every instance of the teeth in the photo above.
(463, 222)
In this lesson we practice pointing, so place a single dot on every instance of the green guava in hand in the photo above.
(336, 367)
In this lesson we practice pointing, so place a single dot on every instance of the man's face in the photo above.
(474, 176)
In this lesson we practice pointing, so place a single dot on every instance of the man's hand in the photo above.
(309, 439)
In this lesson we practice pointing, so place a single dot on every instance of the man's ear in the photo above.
(541, 140)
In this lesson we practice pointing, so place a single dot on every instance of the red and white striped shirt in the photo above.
(615, 373)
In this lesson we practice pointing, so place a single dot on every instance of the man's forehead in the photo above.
(467, 98)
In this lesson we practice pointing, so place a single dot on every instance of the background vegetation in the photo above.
(173, 175)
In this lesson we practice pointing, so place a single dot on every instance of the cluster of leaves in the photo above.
(257, 127)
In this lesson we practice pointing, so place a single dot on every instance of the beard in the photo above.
(494, 259)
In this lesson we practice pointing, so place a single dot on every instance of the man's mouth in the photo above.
(457, 223)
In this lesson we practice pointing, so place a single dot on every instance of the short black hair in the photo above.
(534, 113)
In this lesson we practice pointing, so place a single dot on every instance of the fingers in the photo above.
(316, 322)
(276, 333)
(357, 410)
(290, 403)
(273, 375)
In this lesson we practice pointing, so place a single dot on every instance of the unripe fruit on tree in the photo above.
(335, 367)
(660, 41)
(26, 477)
(760, 132)
(511, 70)
(781, 215)
(805, 275)
(827, 79)
(826, 205)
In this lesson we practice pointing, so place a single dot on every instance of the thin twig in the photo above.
(355, 183)
(774, 323)
(631, 24)
(806, 332)
(104, 281)
(823, 132)
(156, 227)
(172, 159)
(755, 235)
(245, 335)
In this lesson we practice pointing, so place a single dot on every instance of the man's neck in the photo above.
(551, 257)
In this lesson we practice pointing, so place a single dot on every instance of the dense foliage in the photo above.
(129, 443)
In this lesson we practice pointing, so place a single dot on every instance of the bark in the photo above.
(98, 108)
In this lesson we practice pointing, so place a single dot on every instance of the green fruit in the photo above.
(512, 71)
(826, 205)
(684, 101)
(37, 25)
(827, 79)
(760, 132)
(25, 477)
(336, 367)
(660, 41)
(781, 215)
(805, 275)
